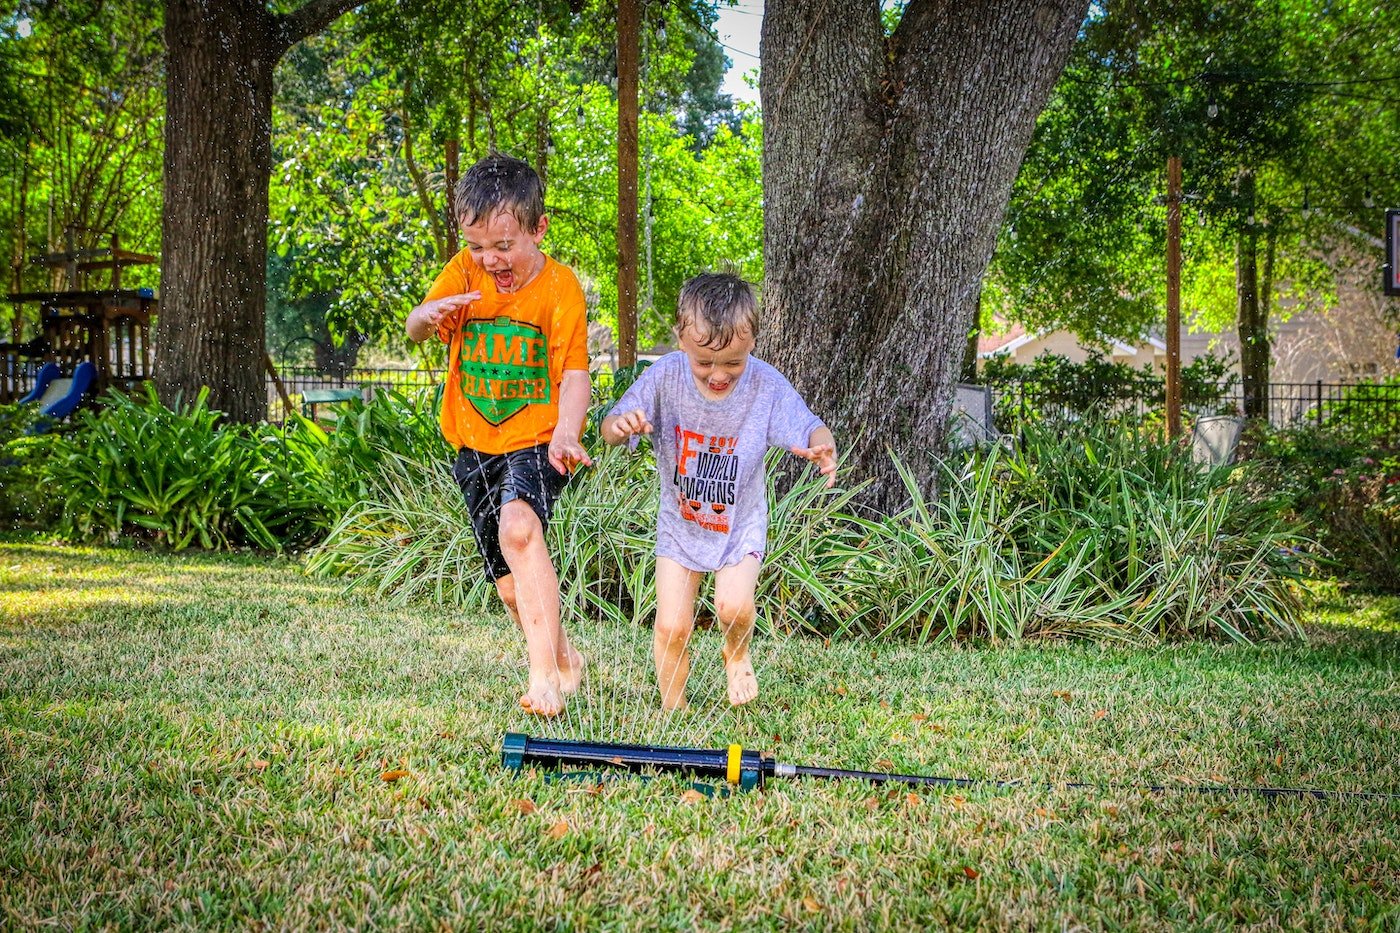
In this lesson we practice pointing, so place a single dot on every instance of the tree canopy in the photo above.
(1284, 115)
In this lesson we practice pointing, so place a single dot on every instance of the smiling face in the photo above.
(716, 370)
(509, 254)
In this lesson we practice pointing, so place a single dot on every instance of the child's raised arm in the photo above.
(821, 450)
(618, 428)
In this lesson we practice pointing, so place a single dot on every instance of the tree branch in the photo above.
(290, 28)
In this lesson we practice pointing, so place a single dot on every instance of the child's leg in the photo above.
(676, 587)
(734, 590)
(555, 667)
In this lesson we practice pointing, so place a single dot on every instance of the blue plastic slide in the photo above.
(56, 396)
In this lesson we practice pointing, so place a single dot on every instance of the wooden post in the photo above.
(628, 46)
(1174, 296)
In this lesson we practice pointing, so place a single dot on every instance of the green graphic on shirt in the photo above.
(505, 366)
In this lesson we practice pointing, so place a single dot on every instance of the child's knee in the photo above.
(520, 527)
(732, 611)
(674, 630)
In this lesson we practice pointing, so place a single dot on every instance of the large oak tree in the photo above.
(219, 68)
(888, 163)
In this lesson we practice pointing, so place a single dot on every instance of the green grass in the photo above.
(199, 741)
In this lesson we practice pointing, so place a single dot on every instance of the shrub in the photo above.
(1104, 536)
(137, 467)
(24, 499)
(1340, 486)
(1051, 387)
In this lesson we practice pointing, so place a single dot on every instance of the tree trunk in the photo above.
(1252, 317)
(219, 67)
(887, 167)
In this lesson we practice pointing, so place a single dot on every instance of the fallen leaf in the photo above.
(1101, 713)
(957, 801)
(812, 904)
(390, 777)
(918, 717)
(692, 796)
(1063, 695)
(971, 872)
(841, 689)
(616, 759)
(872, 803)
(884, 704)
(884, 764)
(1111, 810)
(936, 727)
(524, 806)
(260, 765)
(559, 830)
(913, 799)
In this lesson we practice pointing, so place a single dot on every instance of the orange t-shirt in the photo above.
(507, 354)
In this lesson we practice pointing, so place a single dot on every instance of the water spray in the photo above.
(744, 769)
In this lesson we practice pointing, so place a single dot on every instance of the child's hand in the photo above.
(633, 422)
(423, 321)
(824, 456)
(567, 453)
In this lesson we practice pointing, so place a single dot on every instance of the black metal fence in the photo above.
(297, 381)
(1371, 407)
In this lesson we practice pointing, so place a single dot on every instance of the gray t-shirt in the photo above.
(709, 454)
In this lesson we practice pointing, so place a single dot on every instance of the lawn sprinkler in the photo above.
(742, 769)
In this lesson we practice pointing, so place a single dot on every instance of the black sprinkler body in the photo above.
(743, 770)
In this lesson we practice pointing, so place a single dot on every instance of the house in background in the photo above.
(1023, 347)
(1352, 341)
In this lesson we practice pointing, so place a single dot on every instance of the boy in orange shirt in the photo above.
(515, 400)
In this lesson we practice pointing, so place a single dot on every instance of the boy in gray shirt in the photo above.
(714, 411)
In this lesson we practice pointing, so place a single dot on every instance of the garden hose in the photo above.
(744, 769)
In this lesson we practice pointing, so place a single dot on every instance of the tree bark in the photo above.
(219, 69)
(1251, 314)
(887, 167)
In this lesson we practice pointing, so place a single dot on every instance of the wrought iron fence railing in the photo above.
(1372, 407)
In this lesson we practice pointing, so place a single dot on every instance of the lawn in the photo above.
(204, 741)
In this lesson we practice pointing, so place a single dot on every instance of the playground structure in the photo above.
(107, 328)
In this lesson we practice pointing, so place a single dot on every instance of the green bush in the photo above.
(136, 467)
(1342, 488)
(1099, 535)
(24, 499)
(1054, 388)
(182, 478)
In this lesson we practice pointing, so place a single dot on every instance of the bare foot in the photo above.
(542, 699)
(743, 684)
(571, 676)
(674, 704)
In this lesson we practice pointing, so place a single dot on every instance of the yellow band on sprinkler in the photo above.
(736, 759)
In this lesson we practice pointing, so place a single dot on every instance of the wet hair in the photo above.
(719, 306)
(500, 183)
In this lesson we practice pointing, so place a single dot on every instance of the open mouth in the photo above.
(504, 280)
